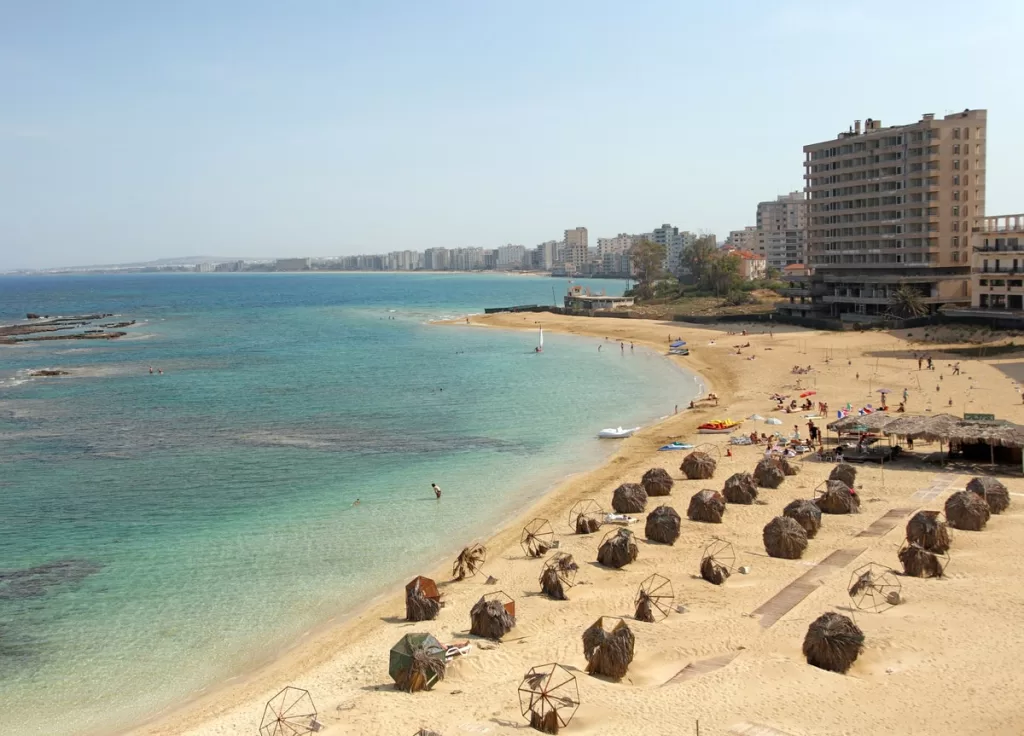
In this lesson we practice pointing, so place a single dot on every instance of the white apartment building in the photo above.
(511, 256)
(675, 242)
(621, 243)
(436, 259)
(782, 230)
(465, 259)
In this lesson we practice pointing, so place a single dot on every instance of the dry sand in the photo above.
(945, 661)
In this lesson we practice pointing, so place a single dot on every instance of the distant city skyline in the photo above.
(135, 132)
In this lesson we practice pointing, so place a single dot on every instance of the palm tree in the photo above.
(907, 302)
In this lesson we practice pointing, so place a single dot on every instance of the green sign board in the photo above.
(979, 417)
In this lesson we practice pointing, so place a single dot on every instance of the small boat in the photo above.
(679, 351)
(617, 433)
(720, 426)
(676, 446)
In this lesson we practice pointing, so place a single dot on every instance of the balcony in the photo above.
(1000, 249)
(796, 292)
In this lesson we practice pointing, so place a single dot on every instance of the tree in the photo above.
(647, 259)
(696, 257)
(722, 273)
(907, 302)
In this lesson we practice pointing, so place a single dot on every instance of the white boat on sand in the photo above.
(617, 433)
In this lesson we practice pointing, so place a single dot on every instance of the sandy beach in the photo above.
(944, 661)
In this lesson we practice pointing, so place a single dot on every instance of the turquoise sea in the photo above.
(160, 533)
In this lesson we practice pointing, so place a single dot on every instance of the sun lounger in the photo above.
(459, 649)
(619, 519)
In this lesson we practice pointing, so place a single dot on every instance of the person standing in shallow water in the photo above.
(437, 490)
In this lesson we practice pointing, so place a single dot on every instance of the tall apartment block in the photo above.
(782, 230)
(576, 247)
(892, 206)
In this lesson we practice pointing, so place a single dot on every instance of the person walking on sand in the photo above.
(920, 361)
(437, 490)
(906, 395)
(956, 368)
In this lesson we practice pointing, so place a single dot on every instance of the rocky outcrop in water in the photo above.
(47, 372)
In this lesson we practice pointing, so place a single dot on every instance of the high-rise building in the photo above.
(545, 255)
(894, 206)
(576, 247)
(511, 256)
(621, 243)
(745, 239)
(436, 259)
(782, 230)
(675, 242)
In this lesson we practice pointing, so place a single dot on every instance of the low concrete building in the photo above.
(580, 298)
(997, 264)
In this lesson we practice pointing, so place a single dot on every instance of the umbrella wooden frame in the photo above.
(658, 590)
(537, 538)
(874, 588)
(586, 507)
(549, 688)
(567, 576)
(722, 552)
(708, 448)
(289, 713)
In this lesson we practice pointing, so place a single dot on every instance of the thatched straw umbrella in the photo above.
(663, 525)
(707, 506)
(784, 537)
(919, 562)
(629, 498)
(926, 530)
(551, 584)
(844, 472)
(587, 524)
(740, 488)
(618, 549)
(833, 642)
(469, 561)
(422, 601)
(426, 732)
(768, 474)
(992, 491)
(608, 653)
(786, 466)
(698, 465)
(968, 511)
(838, 498)
(806, 514)
(657, 482)
(491, 618)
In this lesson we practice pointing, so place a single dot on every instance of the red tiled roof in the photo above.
(795, 267)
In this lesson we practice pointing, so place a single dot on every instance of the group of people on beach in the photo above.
(159, 371)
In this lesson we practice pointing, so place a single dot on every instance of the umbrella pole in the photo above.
(992, 453)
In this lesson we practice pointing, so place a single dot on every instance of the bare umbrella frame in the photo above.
(874, 588)
(559, 573)
(549, 697)
(586, 515)
(469, 561)
(654, 599)
(289, 713)
(718, 561)
(538, 538)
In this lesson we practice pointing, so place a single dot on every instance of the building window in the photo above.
(956, 149)
(956, 133)
(956, 211)
(956, 241)
(956, 257)
(956, 164)
(967, 149)
(967, 132)
(956, 196)
(956, 227)
(982, 282)
(956, 180)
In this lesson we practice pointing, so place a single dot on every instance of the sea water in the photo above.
(161, 533)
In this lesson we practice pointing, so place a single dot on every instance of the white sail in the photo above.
(541, 345)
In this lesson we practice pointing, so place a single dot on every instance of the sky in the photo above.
(132, 131)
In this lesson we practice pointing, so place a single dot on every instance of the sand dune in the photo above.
(945, 661)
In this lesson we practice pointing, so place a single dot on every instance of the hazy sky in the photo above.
(135, 130)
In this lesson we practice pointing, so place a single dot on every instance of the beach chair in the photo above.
(459, 649)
